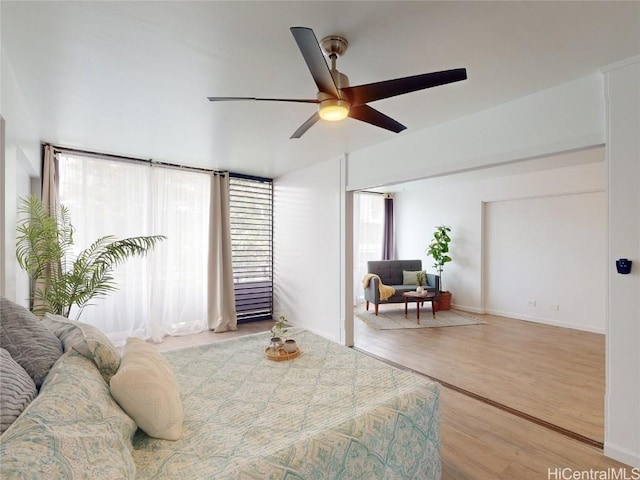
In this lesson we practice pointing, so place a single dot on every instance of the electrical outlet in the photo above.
(554, 306)
(531, 303)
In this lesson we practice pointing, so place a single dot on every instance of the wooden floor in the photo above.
(551, 373)
(479, 441)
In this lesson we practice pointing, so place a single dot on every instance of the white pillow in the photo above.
(146, 389)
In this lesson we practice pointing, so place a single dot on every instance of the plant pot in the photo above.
(445, 301)
(420, 289)
(275, 344)
(290, 345)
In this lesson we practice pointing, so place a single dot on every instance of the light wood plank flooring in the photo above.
(551, 373)
(479, 441)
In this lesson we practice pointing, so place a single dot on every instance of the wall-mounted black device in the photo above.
(623, 265)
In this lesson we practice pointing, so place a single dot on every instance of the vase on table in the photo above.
(275, 344)
(290, 345)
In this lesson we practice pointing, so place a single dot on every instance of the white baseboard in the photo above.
(466, 308)
(547, 321)
(622, 455)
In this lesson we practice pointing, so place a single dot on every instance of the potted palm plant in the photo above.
(438, 249)
(60, 280)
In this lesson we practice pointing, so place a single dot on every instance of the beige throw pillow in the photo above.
(146, 389)
(410, 277)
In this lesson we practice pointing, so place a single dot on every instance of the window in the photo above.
(368, 219)
(163, 293)
(251, 212)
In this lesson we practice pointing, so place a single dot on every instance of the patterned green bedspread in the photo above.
(331, 413)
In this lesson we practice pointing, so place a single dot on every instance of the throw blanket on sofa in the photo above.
(385, 290)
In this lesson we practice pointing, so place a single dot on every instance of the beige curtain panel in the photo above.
(50, 203)
(50, 180)
(221, 299)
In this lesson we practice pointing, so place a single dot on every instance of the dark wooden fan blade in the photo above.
(370, 115)
(312, 53)
(362, 94)
(306, 126)
(233, 99)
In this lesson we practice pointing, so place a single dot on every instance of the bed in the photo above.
(331, 413)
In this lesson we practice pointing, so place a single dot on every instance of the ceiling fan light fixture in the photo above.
(333, 109)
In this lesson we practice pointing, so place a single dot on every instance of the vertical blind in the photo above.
(251, 213)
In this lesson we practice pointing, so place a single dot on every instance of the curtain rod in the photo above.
(133, 159)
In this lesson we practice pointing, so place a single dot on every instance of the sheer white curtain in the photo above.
(368, 236)
(164, 292)
(178, 270)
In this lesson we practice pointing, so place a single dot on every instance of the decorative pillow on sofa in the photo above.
(28, 341)
(87, 340)
(147, 391)
(409, 277)
(16, 390)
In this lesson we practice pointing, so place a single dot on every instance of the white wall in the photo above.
(308, 243)
(20, 162)
(622, 401)
(458, 201)
(544, 258)
(563, 118)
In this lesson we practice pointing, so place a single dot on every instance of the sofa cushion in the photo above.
(73, 429)
(87, 340)
(29, 342)
(17, 390)
(400, 289)
(147, 390)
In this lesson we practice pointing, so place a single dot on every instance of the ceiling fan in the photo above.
(336, 100)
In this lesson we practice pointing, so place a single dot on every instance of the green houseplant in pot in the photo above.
(420, 279)
(59, 279)
(438, 249)
(280, 327)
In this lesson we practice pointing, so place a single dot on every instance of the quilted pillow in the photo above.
(147, 391)
(16, 390)
(87, 340)
(27, 340)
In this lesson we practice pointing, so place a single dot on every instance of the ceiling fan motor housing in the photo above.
(340, 79)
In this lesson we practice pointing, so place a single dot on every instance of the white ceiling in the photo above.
(132, 78)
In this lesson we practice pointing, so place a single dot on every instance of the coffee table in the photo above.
(419, 298)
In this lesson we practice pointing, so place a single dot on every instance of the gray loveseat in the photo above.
(391, 274)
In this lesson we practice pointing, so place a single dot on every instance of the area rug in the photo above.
(391, 317)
